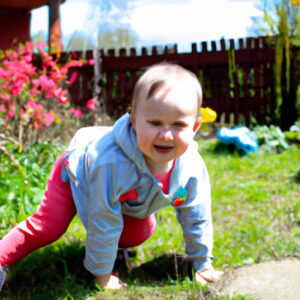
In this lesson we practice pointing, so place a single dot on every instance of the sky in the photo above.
(156, 22)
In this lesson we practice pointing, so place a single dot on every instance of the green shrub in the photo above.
(293, 135)
(22, 192)
(271, 138)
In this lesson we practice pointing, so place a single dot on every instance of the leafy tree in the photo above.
(117, 38)
(279, 16)
(107, 39)
(106, 26)
(281, 19)
(79, 42)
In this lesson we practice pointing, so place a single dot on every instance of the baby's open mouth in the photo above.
(163, 148)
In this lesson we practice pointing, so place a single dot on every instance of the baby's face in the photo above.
(165, 125)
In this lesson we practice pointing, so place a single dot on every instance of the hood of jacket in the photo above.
(125, 137)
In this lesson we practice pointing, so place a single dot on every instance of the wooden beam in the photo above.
(55, 35)
(21, 4)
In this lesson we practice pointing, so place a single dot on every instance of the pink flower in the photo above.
(73, 77)
(91, 104)
(76, 112)
(91, 61)
(30, 105)
(38, 124)
(34, 91)
(20, 67)
(46, 83)
(59, 75)
(11, 114)
(50, 94)
(64, 69)
(60, 94)
(49, 118)
(11, 54)
(4, 97)
(73, 63)
(4, 73)
(35, 94)
(17, 87)
(27, 57)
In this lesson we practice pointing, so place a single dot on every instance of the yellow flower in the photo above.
(208, 115)
(295, 2)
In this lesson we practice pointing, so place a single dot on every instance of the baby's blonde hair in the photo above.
(164, 75)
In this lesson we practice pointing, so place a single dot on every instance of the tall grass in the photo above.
(256, 213)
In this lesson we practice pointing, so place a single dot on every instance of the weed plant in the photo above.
(256, 213)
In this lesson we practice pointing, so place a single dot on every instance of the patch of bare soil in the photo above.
(272, 280)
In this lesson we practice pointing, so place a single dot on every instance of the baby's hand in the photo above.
(208, 275)
(110, 281)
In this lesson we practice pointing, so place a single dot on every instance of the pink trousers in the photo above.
(52, 219)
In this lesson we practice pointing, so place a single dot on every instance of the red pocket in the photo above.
(132, 195)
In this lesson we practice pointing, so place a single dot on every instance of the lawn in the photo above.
(256, 213)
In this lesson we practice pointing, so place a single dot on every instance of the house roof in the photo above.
(21, 4)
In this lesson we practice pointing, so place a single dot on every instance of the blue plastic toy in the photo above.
(240, 136)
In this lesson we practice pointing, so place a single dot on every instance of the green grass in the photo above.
(256, 213)
(256, 206)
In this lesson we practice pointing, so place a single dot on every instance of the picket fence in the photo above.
(236, 76)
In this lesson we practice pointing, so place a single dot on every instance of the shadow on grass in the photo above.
(226, 149)
(217, 148)
(50, 273)
(158, 271)
(57, 272)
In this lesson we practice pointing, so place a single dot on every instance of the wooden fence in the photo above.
(236, 76)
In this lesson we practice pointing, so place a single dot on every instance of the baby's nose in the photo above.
(166, 135)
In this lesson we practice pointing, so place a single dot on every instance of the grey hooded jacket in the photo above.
(105, 163)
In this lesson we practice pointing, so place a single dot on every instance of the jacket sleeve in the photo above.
(195, 218)
(100, 212)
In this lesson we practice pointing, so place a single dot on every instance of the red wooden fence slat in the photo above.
(223, 45)
(213, 46)
(241, 43)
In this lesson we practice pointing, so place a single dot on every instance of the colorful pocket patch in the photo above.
(179, 197)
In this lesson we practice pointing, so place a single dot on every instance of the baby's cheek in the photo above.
(182, 144)
(185, 137)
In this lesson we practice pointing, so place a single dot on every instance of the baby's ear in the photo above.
(132, 118)
(197, 124)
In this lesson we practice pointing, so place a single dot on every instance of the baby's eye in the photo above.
(179, 125)
(154, 123)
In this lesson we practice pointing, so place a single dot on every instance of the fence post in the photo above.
(236, 96)
(55, 34)
(98, 80)
(288, 110)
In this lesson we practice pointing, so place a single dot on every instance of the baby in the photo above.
(117, 178)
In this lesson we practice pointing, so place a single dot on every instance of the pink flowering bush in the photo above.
(33, 98)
